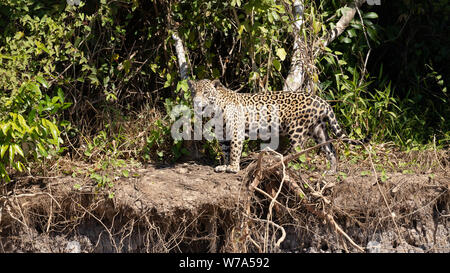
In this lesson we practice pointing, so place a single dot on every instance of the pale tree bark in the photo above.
(302, 59)
(295, 78)
(345, 20)
(181, 55)
(190, 144)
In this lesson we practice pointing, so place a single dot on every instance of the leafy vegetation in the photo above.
(86, 73)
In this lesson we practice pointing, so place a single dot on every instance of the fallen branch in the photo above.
(291, 157)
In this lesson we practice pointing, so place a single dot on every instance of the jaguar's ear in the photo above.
(191, 85)
(216, 83)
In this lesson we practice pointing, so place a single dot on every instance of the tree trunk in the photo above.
(181, 55)
(302, 58)
(295, 78)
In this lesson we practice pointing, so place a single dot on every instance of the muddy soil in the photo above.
(190, 208)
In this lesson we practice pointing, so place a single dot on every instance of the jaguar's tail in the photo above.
(340, 133)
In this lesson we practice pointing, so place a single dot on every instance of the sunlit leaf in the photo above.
(281, 53)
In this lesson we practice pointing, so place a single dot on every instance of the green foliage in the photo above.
(416, 61)
(370, 98)
(30, 103)
(26, 129)
(160, 140)
(35, 46)
(255, 32)
(111, 57)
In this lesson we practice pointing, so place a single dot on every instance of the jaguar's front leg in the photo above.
(235, 154)
(235, 157)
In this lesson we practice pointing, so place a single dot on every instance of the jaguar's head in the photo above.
(204, 91)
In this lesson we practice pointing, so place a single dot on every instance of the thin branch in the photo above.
(368, 44)
(272, 203)
(343, 23)
(382, 194)
(295, 155)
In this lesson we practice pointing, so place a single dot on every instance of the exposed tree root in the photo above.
(260, 171)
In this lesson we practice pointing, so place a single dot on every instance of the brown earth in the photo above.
(190, 208)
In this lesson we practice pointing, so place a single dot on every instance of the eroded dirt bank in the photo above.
(189, 208)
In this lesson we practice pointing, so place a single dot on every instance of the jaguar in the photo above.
(297, 115)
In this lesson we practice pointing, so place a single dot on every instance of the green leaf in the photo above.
(358, 131)
(168, 81)
(19, 166)
(342, 62)
(317, 26)
(6, 127)
(372, 33)
(42, 81)
(11, 153)
(384, 176)
(41, 46)
(3, 150)
(235, 3)
(96, 177)
(356, 26)
(61, 95)
(18, 150)
(281, 53)
(275, 15)
(22, 122)
(53, 130)
(346, 40)
(3, 173)
(35, 88)
(276, 63)
(343, 175)
(127, 66)
(263, 29)
(94, 79)
(302, 158)
(153, 67)
(241, 29)
(351, 33)
(19, 35)
(370, 15)
(182, 85)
